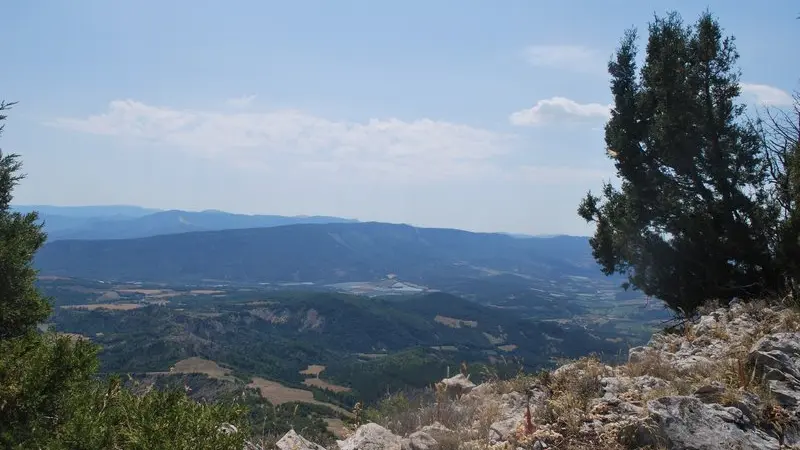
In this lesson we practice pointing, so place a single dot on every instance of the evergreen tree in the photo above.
(49, 395)
(21, 305)
(689, 220)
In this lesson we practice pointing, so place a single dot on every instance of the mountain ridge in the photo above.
(327, 253)
(124, 221)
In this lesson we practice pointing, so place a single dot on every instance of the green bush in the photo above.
(49, 396)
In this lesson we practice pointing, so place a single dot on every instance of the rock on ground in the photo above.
(371, 437)
(293, 441)
(688, 423)
(420, 440)
(458, 385)
(777, 359)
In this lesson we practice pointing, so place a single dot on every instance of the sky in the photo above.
(479, 115)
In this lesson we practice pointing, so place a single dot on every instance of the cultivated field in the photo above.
(143, 291)
(313, 369)
(455, 323)
(200, 365)
(109, 306)
(322, 384)
(277, 394)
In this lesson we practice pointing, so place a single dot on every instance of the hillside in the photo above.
(124, 222)
(727, 381)
(367, 345)
(318, 253)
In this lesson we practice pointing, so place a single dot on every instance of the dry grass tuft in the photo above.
(720, 332)
(653, 364)
(521, 382)
(573, 387)
(404, 413)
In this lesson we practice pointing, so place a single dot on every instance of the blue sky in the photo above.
(473, 114)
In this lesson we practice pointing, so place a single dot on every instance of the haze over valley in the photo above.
(399, 225)
(379, 306)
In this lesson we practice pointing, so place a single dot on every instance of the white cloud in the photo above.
(241, 102)
(560, 110)
(575, 58)
(294, 140)
(564, 175)
(766, 95)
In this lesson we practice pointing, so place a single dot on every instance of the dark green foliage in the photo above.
(49, 398)
(262, 418)
(40, 378)
(21, 306)
(691, 220)
(306, 419)
(320, 253)
(109, 416)
(240, 334)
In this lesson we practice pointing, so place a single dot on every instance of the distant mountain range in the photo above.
(319, 253)
(122, 222)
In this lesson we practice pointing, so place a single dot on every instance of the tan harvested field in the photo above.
(164, 295)
(109, 306)
(455, 323)
(52, 278)
(143, 291)
(277, 394)
(205, 292)
(507, 348)
(200, 365)
(322, 384)
(84, 290)
(313, 369)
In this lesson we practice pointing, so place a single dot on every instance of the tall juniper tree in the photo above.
(21, 305)
(688, 221)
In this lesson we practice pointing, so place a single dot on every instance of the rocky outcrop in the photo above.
(777, 358)
(729, 381)
(293, 441)
(686, 422)
(371, 437)
(457, 386)
(420, 440)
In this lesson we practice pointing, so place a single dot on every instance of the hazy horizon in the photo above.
(467, 115)
(19, 205)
